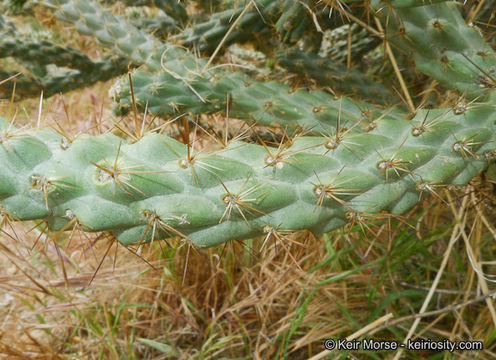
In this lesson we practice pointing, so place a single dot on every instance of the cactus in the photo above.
(263, 103)
(16, 6)
(6, 27)
(186, 89)
(36, 55)
(295, 21)
(442, 45)
(54, 83)
(172, 8)
(159, 25)
(91, 18)
(349, 82)
(180, 86)
(359, 160)
(335, 43)
(103, 183)
(207, 35)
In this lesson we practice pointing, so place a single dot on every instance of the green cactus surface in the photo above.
(176, 83)
(172, 8)
(54, 68)
(325, 72)
(160, 25)
(63, 81)
(294, 21)
(152, 189)
(335, 43)
(207, 35)
(442, 44)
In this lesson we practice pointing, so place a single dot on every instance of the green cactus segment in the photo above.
(113, 32)
(172, 8)
(294, 20)
(151, 189)
(206, 36)
(91, 18)
(444, 46)
(160, 25)
(265, 103)
(335, 43)
(398, 4)
(6, 27)
(15, 6)
(45, 53)
(63, 81)
(49, 64)
(326, 73)
(211, 4)
(178, 87)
